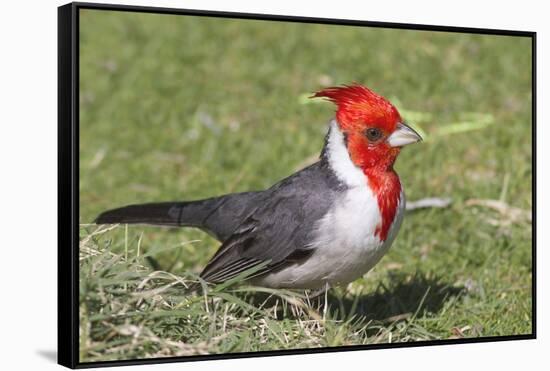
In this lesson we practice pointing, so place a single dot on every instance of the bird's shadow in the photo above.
(402, 297)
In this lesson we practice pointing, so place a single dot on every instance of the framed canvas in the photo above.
(235, 185)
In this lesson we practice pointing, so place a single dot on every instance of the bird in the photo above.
(323, 226)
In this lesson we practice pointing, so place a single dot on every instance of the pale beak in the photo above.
(403, 135)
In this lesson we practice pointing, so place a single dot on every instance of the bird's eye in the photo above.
(373, 134)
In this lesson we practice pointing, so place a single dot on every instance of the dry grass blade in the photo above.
(509, 214)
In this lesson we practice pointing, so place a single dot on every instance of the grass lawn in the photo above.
(178, 108)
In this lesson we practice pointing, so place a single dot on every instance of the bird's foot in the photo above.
(316, 296)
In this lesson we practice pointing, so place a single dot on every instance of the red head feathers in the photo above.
(359, 106)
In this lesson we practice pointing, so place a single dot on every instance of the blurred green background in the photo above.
(179, 107)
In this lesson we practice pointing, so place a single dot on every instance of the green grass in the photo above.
(176, 108)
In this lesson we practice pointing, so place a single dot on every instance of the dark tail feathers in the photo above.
(163, 213)
(219, 216)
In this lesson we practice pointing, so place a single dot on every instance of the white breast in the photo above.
(345, 243)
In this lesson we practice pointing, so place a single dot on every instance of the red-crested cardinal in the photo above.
(325, 225)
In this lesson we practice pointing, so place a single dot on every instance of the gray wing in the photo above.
(278, 232)
(226, 213)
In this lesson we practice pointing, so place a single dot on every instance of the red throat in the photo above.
(382, 180)
(387, 190)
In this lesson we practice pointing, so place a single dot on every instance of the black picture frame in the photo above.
(68, 179)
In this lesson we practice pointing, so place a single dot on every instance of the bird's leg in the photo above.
(318, 292)
(326, 301)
